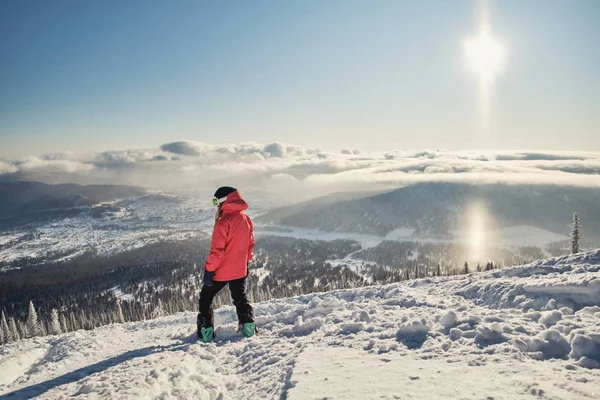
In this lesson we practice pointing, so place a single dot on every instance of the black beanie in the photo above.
(224, 191)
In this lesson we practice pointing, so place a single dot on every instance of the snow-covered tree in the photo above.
(575, 234)
(63, 323)
(466, 268)
(33, 324)
(55, 328)
(158, 310)
(73, 323)
(83, 320)
(14, 332)
(4, 334)
(119, 313)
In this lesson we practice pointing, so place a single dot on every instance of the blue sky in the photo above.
(97, 75)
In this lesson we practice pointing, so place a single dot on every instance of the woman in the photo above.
(231, 249)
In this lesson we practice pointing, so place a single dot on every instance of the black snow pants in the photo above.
(240, 301)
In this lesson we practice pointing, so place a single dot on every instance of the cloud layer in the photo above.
(303, 172)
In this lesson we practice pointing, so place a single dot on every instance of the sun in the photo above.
(485, 56)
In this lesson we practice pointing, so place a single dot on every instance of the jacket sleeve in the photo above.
(217, 245)
(251, 241)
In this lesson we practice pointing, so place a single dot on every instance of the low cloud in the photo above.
(184, 148)
(50, 165)
(7, 168)
(303, 171)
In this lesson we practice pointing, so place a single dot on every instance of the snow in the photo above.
(366, 241)
(400, 234)
(15, 365)
(119, 294)
(514, 236)
(525, 236)
(449, 319)
(139, 222)
(349, 373)
(571, 282)
(6, 237)
(477, 336)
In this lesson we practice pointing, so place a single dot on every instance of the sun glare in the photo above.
(485, 57)
(478, 231)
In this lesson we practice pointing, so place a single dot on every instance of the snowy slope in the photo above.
(112, 227)
(527, 332)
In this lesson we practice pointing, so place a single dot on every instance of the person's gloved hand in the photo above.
(208, 278)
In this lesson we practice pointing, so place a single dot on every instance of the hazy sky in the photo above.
(374, 75)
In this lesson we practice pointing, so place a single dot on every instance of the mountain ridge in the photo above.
(438, 208)
(18, 198)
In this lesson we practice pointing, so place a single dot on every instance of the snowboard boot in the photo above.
(248, 329)
(206, 331)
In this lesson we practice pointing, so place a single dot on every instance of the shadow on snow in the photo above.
(74, 376)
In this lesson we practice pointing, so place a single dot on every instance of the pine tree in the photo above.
(119, 313)
(83, 321)
(63, 323)
(466, 268)
(3, 331)
(575, 234)
(13, 331)
(438, 270)
(55, 328)
(33, 324)
(22, 330)
(158, 310)
(7, 335)
(73, 322)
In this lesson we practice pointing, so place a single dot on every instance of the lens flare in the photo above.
(478, 228)
(485, 56)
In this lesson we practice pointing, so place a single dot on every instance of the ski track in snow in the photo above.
(525, 332)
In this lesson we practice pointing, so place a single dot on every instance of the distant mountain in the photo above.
(438, 208)
(18, 198)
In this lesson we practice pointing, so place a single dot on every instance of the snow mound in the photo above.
(302, 328)
(488, 335)
(449, 319)
(586, 349)
(565, 282)
(548, 344)
(579, 263)
(413, 334)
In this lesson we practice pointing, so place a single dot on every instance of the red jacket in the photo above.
(232, 245)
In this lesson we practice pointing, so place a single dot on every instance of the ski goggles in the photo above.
(216, 201)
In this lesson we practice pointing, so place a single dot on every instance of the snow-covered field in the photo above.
(520, 333)
(138, 222)
(124, 225)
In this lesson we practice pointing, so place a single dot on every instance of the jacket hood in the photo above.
(234, 202)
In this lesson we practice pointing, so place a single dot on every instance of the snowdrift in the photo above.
(532, 330)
